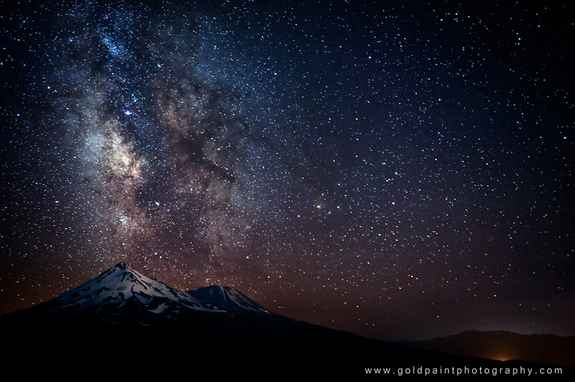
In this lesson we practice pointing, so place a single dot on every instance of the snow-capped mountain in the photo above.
(122, 294)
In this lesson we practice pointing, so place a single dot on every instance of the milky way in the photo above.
(400, 171)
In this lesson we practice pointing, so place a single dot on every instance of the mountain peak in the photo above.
(119, 284)
(125, 267)
(120, 293)
(121, 265)
(228, 298)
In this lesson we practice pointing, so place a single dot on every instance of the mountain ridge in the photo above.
(123, 314)
(227, 297)
(504, 345)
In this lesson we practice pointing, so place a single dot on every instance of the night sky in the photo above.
(401, 170)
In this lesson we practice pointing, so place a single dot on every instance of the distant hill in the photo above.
(503, 345)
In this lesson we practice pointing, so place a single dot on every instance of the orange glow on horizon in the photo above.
(501, 357)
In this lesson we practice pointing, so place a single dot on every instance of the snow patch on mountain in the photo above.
(227, 298)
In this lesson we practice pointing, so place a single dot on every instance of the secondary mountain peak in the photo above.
(228, 298)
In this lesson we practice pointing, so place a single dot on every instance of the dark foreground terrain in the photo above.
(225, 349)
(122, 324)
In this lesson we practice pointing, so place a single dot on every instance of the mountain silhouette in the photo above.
(124, 319)
(504, 345)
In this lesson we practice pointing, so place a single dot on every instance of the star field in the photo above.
(399, 171)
